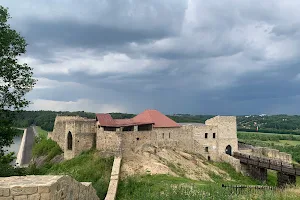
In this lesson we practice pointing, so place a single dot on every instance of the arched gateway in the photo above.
(228, 150)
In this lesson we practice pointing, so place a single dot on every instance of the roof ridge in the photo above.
(150, 116)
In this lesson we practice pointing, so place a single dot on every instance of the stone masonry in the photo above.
(81, 130)
(45, 188)
(216, 137)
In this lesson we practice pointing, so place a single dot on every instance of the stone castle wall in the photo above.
(226, 132)
(45, 188)
(220, 131)
(108, 141)
(83, 133)
(204, 146)
(188, 138)
(270, 153)
(235, 163)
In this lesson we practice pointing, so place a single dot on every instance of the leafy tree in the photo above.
(15, 79)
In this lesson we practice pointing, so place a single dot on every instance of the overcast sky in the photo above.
(226, 57)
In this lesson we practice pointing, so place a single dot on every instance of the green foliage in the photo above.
(122, 115)
(272, 178)
(42, 133)
(284, 124)
(266, 136)
(44, 119)
(15, 81)
(9, 170)
(163, 187)
(182, 118)
(45, 147)
(87, 167)
(237, 178)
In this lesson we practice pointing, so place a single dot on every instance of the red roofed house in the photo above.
(150, 128)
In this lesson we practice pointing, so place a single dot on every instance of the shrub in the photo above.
(45, 147)
(87, 167)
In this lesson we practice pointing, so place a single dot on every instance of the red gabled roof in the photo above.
(154, 117)
(105, 119)
(159, 120)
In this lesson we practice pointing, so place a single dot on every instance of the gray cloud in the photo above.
(200, 57)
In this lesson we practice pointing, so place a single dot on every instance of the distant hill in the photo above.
(265, 123)
(270, 123)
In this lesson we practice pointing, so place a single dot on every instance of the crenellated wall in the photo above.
(270, 153)
(45, 188)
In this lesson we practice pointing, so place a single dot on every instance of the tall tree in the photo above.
(15, 78)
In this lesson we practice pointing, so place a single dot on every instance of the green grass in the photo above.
(290, 142)
(45, 147)
(87, 167)
(237, 178)
(272, 178)
(283, 142)
(164, 187)
(42, 133)
(270, 134)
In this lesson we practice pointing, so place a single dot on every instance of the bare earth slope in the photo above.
(152, 160)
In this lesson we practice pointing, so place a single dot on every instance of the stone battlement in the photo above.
(271, 153)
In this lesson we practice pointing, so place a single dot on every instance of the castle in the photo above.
(218, 136)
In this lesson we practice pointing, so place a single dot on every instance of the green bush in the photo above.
(45, 147)
(87, 167)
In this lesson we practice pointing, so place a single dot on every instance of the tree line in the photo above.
(45, 119)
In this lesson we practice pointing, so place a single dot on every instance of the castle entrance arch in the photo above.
(70, 141)
(228, 150)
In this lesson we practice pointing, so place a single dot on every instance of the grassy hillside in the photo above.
(90, 167)
(165, 187)
(87, 167)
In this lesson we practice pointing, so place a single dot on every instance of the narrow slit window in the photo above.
(206, 135)
(206, 149)
(214, 135)
(70, 141)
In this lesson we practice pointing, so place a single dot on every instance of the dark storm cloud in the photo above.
(199, 57)
(72, 34)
